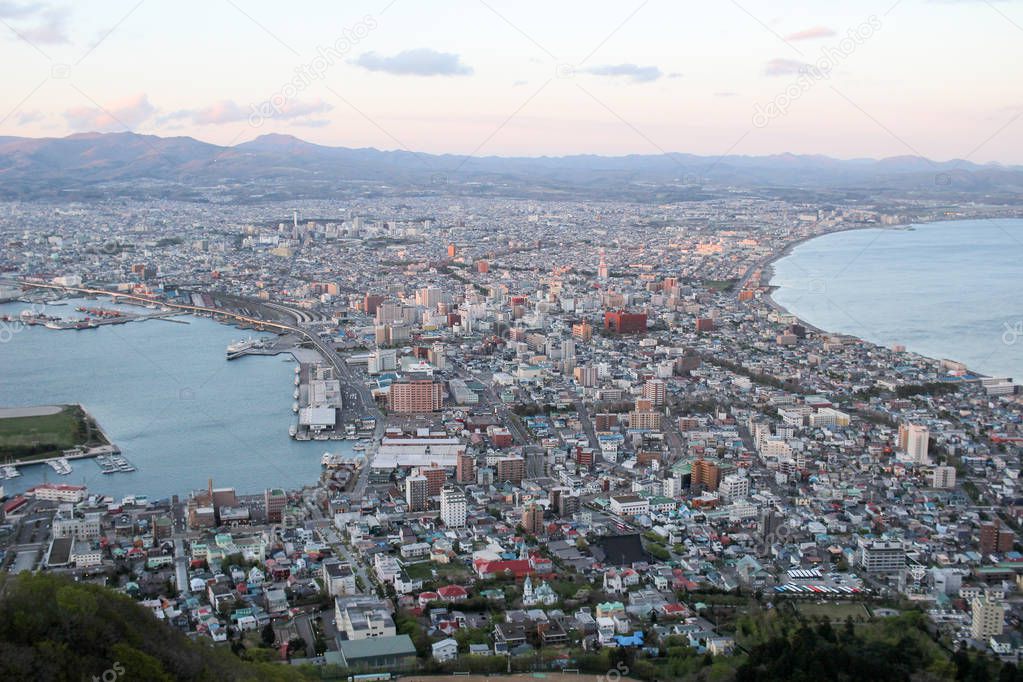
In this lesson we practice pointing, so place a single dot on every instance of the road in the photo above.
(519, 432)
(584, 418)
(181, 567)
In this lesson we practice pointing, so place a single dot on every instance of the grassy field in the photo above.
(833, 611)
(41, 436)
(424, 571)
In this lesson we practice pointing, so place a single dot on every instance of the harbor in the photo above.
(318, 397)
(177, 410)
(93, 318)
(323, 407)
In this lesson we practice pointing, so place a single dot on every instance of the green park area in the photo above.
(41, 432)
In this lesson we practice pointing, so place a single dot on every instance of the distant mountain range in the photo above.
(282, 166)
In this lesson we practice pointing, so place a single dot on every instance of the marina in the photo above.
(60, 465)
(114, 464)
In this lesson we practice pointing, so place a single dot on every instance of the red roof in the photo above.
(55, 486)
(519, 568)
(14, 504)
(453, 592)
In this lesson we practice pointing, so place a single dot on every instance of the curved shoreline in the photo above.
(768, 273)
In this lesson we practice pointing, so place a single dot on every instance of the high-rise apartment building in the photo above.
(532, 518)
(465, 468)
(994, 539)
(914, 441)
(416, 493)
(943, 477)
(453, 507)
(656, 391)
(415, 396)
(705, 475)
(435, 479)
(511, 469)
(988, 618)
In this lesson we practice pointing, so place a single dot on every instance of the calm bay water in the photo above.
(944, 290)
(166, 395)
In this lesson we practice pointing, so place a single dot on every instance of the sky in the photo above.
(935, 78)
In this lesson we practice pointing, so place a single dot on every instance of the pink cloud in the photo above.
(812, 33)
(124, 114)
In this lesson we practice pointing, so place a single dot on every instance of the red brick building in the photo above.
(621, 322)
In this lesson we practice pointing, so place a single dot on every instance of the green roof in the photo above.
(398, 645)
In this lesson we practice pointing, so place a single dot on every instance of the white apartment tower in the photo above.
(452, 507)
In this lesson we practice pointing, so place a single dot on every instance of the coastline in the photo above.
(766, 268)
(767, 274)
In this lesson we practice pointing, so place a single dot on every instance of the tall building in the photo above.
(532, 518)
(511, 469)
(435, 479)
(882, 556)
(943, 477)
(465, 468)
(621, 322)
(582, 331)
(554, 495)
(453, 507)
(988, 618)
(416, 494)
(274, 500)
(644, 417)
(734, 487)
(452, 250)
(914, 441)
(994, 539)
(415, 396)
(602, 269)
(568, 505)
(388, 312)
(656, 391)
(586, 376)
(706, 475)
(429, 297)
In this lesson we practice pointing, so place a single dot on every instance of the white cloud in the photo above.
(633, 72)
(418, 62)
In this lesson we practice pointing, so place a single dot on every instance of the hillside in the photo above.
(53, 629)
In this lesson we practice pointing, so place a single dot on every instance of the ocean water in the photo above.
(165, 394)
(944, 290)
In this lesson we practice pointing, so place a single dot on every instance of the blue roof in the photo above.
(635, 639)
